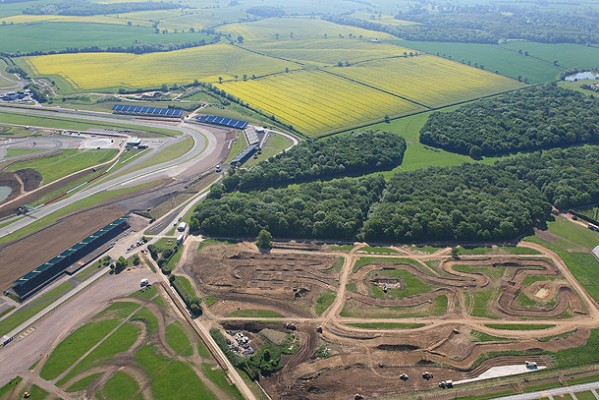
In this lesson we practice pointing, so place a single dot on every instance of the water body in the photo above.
(5, 191)
(587, 75)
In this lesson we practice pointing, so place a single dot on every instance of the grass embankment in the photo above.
(274, 145)
(254, 314)
(59, 122)
(519, 327)
(324, 301)
(33, 307)
(386, 325)
(66, 163)
(375, 260)
(175, 150)
(573, 242)
(376, 250)
(239, 143)
(88, 202)
(11, 152)
(10, 386)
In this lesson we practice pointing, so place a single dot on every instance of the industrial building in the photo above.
(32, 282)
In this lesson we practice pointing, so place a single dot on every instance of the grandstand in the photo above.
(147, 111)
(222, 121)
(245, 155)
(32, 282)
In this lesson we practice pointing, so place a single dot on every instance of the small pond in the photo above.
(5, 191)
(582, 76)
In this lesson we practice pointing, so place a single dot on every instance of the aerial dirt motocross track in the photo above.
(429, 335)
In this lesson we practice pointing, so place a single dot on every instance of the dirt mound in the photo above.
(31, 179)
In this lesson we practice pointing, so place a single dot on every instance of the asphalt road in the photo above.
(552, 392)
(204, 144)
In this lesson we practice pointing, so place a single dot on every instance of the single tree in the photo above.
(264, 240)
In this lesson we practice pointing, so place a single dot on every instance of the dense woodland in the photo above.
(356, 153)
(486, 24)
(567, 177)
(529, 119)
(465, 203)
(86, 8)
(330, 210)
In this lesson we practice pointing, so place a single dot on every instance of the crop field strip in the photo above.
(296, 28)
(111, 70)
(292, 97)
(329, 51)
(446, 82)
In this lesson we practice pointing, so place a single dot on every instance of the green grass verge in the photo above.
(203, 351)
(178, 340)
(485, 337)
(274, 145)
(175, 150)
(67, 162)
(147, 317)
(496, 250)
(254, 314)
(171, 380)
(119, 309)
(519, 327)
(386, 325)
(33, 307)
(239, 144)
(212, 242)
(121, 386)
(10, 386)
(83, 384)
(324, 301)
(36, 392)
(219, 378)
(74, 346)
(210, 300)
(10, 152)
(59, 122)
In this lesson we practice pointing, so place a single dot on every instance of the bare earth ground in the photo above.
(369, 361)
(22, 256)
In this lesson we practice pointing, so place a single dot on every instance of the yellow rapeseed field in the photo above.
(316, 102)
(295, 29)
(330, 51)
(112, 70)
(430, 80)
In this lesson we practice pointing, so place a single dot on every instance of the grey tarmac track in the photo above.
(552, 392)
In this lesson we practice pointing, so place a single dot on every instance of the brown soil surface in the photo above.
(22, 256)
(242, 278)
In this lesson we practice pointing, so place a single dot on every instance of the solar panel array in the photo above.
(214, 119)
(147, 111)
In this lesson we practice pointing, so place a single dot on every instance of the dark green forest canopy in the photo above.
(355, 153)
(465, 203)
(567, 177)
(485, 24)
(329, 210)
(529, 119)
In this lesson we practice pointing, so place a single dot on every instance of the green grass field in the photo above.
(175, 150)
(171, 380)
(274, 145)
(120, 386)
(410, 284)
(494, 58)
(239, 144)
(74, 346)
(374, 260)
(82, 384)
(66, 163)
(219, 378)
(24, 38)
(11, 152)
(178, 340)
(568, 55)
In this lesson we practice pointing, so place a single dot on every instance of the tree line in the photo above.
(355, 153)
(463, 203)
(331, 210)
(534, 118)
(485, 24)
(567, 177)
(87, 8)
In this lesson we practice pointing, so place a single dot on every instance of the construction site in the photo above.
(388, 323)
